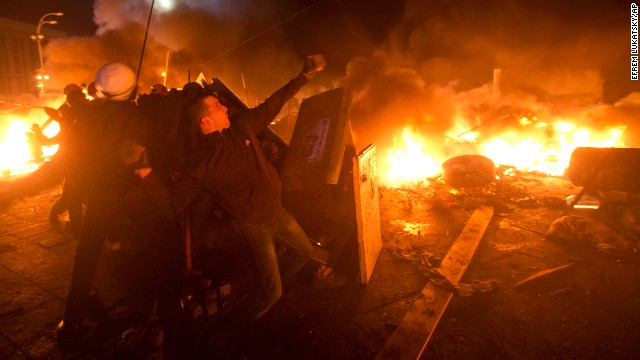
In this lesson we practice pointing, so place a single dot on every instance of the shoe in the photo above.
(67, 336)
(54, 214)
(72, 337)
(333, 281)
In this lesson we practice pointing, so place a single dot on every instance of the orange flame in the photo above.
(410, 162)
(15, 155)
(548, 147)
(535, 146)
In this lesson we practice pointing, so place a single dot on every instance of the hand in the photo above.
(313, 64)
(143, 172)
(131, 153)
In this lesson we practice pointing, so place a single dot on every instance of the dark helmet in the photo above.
(71, 87)
(159, 89)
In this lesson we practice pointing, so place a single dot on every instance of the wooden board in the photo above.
(366, 195)
(409, 340)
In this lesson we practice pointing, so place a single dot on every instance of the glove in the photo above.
(313, 64)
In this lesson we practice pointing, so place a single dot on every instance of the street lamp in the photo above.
(42, 75)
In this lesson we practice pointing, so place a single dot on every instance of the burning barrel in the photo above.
(614, 169)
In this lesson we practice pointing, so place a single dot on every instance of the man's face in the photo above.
(216, 118)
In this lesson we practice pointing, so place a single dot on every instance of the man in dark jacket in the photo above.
(108, 185)
(229, 164)
(73, 115)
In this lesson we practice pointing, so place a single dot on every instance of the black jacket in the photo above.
(231, 166)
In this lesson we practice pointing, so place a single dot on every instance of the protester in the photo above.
(72, 116)
(109, 186)
(229, 164)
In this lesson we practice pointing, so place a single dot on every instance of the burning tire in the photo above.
(469, 171)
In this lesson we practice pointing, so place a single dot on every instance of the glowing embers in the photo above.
(412, 228)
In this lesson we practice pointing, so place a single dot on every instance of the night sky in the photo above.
(77, 18)
(309, 25)
(343, 29)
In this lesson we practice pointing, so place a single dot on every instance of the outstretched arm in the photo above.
(262, 115)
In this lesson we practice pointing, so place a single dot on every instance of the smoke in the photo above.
(435, 70)
(225, 39)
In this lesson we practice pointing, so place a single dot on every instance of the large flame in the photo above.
(535, 146)
(548, 148)
(409, 161)
(16, 157)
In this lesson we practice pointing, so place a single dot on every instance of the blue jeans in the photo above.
(259, 241)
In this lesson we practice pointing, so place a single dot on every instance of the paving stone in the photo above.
(5, 248)
(9, 351)
(26, 327)
(31, 230)
(50, 239)
(18, 295)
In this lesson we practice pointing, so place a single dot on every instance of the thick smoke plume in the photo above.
(216, 38)
(435, 71)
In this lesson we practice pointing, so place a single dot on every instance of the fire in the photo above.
(15, 155)
(547, 147)
(535, 146)
(410, 163)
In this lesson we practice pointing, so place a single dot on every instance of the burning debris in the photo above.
(421, 88)
(22, 149)
(429, 91)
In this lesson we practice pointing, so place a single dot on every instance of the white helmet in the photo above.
(115, 81)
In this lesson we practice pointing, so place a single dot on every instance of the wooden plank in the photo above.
(409, 340)
(365, 182)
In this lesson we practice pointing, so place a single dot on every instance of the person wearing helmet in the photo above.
(115, 123)
(68, 114)
(116, 82)
(229, 165)
(160, 90)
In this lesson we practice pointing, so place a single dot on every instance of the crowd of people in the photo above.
(169, 161)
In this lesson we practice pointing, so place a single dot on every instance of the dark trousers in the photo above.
(103, 218)
(70, 200)
(99, 219)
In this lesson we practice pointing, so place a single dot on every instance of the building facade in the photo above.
(19, 59)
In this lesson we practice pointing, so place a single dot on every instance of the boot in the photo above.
(325, 277)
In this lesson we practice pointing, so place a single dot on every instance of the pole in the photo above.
(38, 37)
(166, 70)
(42, 75)
(144, 43)
(246, 93)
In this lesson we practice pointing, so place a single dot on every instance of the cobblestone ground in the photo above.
(588, 311)
(35, 269)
